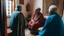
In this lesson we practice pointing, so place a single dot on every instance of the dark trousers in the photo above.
(0, 33)
(33, 31)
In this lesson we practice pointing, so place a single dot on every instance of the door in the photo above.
(3, 18)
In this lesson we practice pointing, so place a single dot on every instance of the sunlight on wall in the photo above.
(38, 4)
(8, 7)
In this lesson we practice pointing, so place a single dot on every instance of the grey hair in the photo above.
(52, 7)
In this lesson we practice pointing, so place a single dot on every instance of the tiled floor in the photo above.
(27, 32)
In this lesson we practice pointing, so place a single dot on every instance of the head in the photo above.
(36, 11)
(39, 9)
(19, 8)
(52, 9)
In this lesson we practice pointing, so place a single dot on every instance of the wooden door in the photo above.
(13, 6)
(3, 18)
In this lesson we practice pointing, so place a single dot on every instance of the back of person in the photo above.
(63, 24)
(0, 23)
(53, 25)
(17, 23)
(14, 19)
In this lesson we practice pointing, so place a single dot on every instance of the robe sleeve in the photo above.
(41, 20)
(33, 15)
(21, 25)
(47, 22)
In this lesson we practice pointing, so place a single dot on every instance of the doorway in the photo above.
(10, 7)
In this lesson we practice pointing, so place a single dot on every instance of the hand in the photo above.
(9, 30)
(30, 23)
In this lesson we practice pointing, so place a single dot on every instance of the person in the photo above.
(63, 16)
(53, 23)
(0, 25)
(17, 22)
(63, 23)
(37, 20)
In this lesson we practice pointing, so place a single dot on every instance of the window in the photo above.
(8, 7)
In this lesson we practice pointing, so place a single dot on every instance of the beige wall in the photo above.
(33, 3)
(36, 4)
(24, 7)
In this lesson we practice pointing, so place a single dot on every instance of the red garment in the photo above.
(38, 23)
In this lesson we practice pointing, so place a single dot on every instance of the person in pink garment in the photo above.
(37, 20)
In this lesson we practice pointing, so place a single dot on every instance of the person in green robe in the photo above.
(17, 22)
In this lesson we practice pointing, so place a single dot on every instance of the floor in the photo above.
(27, 32)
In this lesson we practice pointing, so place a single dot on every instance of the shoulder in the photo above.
(20, 14)
(50, 18)
(54, 17)
(41, 14)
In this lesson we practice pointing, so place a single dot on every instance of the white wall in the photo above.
(36, 4)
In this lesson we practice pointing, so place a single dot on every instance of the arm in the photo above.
(32, 19)
(41, 19)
